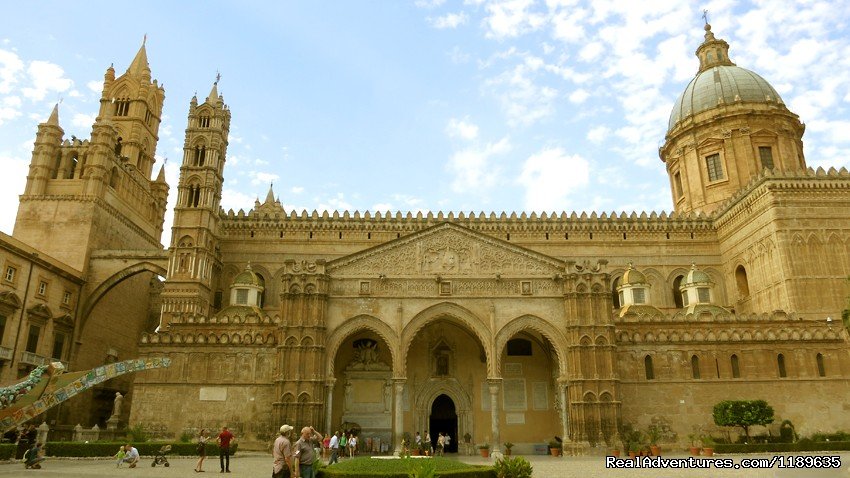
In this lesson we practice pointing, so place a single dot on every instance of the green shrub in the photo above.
(7, 451)
(137, 433)
(104, 449)
(186, 437)
(509, 467)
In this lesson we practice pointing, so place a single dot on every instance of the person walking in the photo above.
(303, 454)
(326, 447)
(447, 442)
(282, 453)
(224, 439)
(334, 446)
(203, 437)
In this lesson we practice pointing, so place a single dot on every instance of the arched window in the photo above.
(695, 367)
(780, 362)
(72, 166)
(821, 368)
(200, 155)
(648, 369)
(56, 166)
(741, 280)
(736, 371)
(113, 178)
(615, 296)
(677, 294)
(262, 297)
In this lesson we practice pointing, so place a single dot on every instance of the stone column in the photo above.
(493, 385)
(565, 410)
(329, 385)
(398, 425)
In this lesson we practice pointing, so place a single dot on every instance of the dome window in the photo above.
(704, 294)
(242, 296)
(766, 157)
(714, 167)
(639, 295)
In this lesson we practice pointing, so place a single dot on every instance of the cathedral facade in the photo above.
(515, 327)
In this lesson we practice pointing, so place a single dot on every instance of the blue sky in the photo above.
(440, 105)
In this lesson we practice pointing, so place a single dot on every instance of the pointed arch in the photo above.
(357, 324)
(455, 313)
(101, 290)
(539, 325)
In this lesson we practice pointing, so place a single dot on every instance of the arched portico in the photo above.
(104, 287)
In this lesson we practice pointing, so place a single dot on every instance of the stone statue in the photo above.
(116, 405)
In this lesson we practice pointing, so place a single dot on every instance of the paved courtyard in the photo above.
(250, 464)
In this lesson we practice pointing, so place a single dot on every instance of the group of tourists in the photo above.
(295, 460)
(224, 440)
(444, 441)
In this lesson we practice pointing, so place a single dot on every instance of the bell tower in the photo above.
(97, 193)
(195, 261)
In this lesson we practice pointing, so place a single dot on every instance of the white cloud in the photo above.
(579, 96)
(12, 183)
(259, 177)
(10, 68)
(598, 134)
(462, 129)
(83, 121)
(550, 177)
(9, 108)
(429, 3)
(297, 189)
(523, 99)
(450, 20)
(473, 169)
(458, 56)
(335, 203)
(95, 86)
(236, 200)
(511, 18)
(46, 77)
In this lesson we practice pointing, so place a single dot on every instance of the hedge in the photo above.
(802, 445)
(7, 451)
(371, 468)
(105, 449)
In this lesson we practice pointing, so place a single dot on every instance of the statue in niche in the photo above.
(117, 404)
(442, 365)
(366, 356)
(348, 394)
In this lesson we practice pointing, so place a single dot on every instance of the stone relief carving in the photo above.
(448, 252)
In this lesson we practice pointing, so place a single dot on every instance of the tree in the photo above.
(743, 413)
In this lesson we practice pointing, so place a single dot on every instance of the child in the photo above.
(120, 456)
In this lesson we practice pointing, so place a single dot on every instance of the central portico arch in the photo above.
(454, 313)
(428, 393)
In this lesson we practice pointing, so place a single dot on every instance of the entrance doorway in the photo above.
(443, 420)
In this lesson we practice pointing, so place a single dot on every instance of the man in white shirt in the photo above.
(334, 445)
(131, 455)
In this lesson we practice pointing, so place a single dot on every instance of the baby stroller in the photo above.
(160, 458)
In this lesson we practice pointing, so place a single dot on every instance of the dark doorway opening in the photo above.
(443, 420)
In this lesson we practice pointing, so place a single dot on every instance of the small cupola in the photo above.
(246, 289)
(634, 288)
(697, 288)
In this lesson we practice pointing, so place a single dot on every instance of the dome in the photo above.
(633, 277)
(718, 85)
(718, 82)
(247, 277)
(696, 276)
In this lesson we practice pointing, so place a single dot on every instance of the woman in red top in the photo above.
(326, 445)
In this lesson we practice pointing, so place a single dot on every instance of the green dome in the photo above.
(721, 85)
(633, 277)
(247, 277)
(696, 276)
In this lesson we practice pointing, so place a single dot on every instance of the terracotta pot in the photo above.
(484, 452)
(555, 451)
(615, 452)
(708, 451)
(507, 452)
(414, 452)
(633, 455)
(694, 451)
(655, 450)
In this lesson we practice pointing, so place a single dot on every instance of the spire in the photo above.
(140, 65)
(53, 120)
(160, 178)
(712, 52)
(213, 96)
(270, 195)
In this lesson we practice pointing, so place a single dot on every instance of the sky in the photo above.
(422, 105)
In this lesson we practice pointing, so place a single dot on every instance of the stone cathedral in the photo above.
(515, 327)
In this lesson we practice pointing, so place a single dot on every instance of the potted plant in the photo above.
(426, 448)
(694, 444)
(632, 440)
(508, 445)
(634, 449)
(654, 434)
(555, 447)
(707, 445)
(484, 449)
